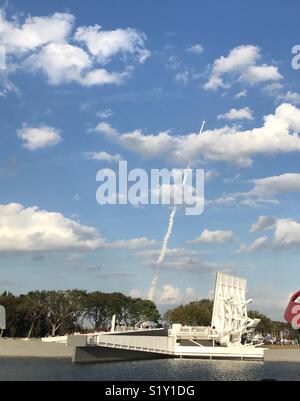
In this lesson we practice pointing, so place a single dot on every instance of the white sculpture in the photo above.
(230, 319)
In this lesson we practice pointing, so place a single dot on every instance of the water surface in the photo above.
(163, 369)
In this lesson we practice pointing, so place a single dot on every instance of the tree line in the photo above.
(42, 313)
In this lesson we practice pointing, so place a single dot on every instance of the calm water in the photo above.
(168, 369)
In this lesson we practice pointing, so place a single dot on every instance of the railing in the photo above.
(156, 344)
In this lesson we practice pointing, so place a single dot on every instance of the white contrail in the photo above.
(162, 255)
(161, 258)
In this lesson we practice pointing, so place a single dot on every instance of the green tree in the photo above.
(139, 311)
(265, 325)
(33, 308)
(64, 308)
(96, 309)
(197, 313)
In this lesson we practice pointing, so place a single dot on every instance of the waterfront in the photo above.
(162, 370)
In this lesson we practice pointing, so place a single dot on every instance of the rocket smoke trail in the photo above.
(161, 258)
(162, 255)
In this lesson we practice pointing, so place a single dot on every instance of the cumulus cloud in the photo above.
(265, 191)
(277, 135)
(39, 138)
(280, 184)
(169, 294)
(196, 49)
(49, 45)
(103, 156)
(34, 32)
(31, 229)
(60, 62)
(237, 114)
(106, 44)
(63, 63)
(290, 97)
(241, 64)
(286, 235)
(214, 237)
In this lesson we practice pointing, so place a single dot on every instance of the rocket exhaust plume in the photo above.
(161, 258)
(162, 255)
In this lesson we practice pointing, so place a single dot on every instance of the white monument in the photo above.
(230, 319)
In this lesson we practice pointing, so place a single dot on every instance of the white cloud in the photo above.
(264, 191)
(135, 293)
(271, 186)
(237, 114)
(286, 235)
(211, 175)
(196, 49)
(132, 244)
(101, 76)
(182, 77)
(272, 88)
(31, 229)
(263, 223)
(46, 44)
(241, 63)
(260, 73)
(230, 144)
(169, 295)
(182, 260)
(290, 97)
(259, 244)
(106, 44)
(241, 94)
(63, 63)
(103, 156)
(215, 83)
(186, 75)
(34, 32)
(39, 138)
(214, 237)
(105, 113)
(60, 62)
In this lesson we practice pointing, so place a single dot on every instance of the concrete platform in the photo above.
(33, 348)
(282, 355)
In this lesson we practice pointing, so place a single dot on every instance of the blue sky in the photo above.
(153, 72)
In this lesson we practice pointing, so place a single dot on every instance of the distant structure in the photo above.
(2, 319)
